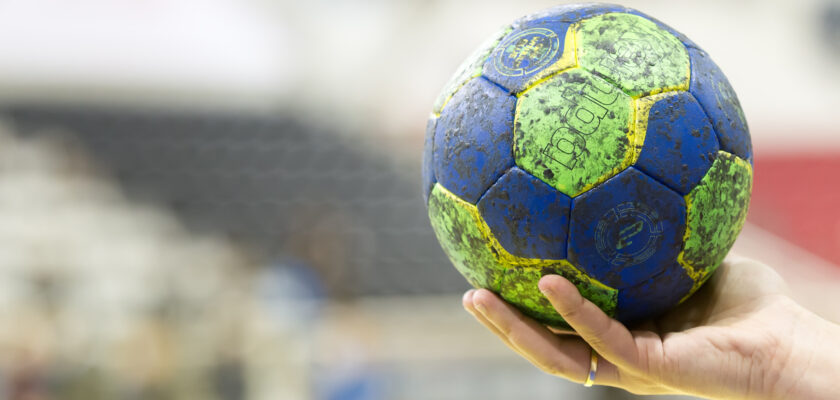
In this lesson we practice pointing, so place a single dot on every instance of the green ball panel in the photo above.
(470, 68)
(634, 53)
(520, 288)
(458, 227)
(717, 208)
(573, 131)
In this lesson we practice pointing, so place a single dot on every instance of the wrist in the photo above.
(808, 366)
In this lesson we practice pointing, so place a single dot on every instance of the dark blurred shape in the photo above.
(281, 187)
(831, 26)
(229, 380)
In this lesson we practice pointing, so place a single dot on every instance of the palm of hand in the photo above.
(735, 318)
(715, 344)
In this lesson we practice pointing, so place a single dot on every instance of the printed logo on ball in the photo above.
(628, 234)
(587, 109)
(633, 54)
(527, 52)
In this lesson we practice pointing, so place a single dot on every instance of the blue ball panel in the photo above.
(474, 139)
(532, 47)
(588, 11)
(570, 12)
(624, 230)
(429, 160)
(654, 296)
(714, 93)
(680, 143)
(528, 217)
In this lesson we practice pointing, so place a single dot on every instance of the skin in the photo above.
(740, 336)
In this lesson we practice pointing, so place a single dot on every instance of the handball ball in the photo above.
(594, 142)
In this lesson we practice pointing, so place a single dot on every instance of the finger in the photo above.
(470, 307)
(562, 331)
(566, 356)
(467, 301)
(607, 336)
(741, 272)
(733, 256)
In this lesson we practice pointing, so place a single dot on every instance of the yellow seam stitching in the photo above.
(570, 31)
(503, 256)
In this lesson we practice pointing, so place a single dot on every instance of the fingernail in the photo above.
(467, 294)
(544, 289)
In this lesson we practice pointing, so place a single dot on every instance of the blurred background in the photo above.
(220, 199)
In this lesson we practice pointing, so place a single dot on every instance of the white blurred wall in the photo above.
(378, 64)
(187, 53)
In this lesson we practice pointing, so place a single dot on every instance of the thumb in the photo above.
(608, 337)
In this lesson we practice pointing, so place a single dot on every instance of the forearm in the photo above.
(811, 369)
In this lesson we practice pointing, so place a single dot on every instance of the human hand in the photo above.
(740, 336)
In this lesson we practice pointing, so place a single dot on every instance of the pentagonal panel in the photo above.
(714, 93)
(717, 208)
(572, 12)
(654, 296)
(632, 52)
(458, 227)
(679, 142)
(529, 218)
(535, 49)
(428, 159)
(470, 68)
(519, 287)
(624, 230)
(473, 139)
(573, 131)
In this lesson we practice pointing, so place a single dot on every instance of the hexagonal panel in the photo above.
(679, 142)
(624, 230)
(470, 68)
(428, 159)
(714, 93)
(717, 209)
(529, 218)
(573, 131)
(633, 53)
(653, 296)
(532, 51)
(459, 229)
(474, 139)
(519, 287)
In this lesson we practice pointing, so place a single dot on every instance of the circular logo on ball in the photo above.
(628, 234)
(526, 52)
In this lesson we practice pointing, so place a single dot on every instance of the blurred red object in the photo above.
(797, 197)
